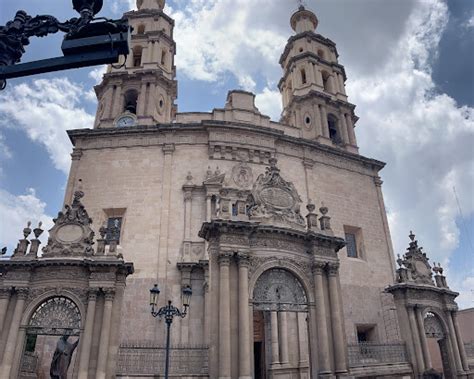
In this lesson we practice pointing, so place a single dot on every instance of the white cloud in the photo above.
(211, 45)
(45, 109)
(469, 23)
(424, 136)
(18, 210)
(269, 103)
(97, 73)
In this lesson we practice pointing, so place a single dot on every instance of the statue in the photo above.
(62, 358)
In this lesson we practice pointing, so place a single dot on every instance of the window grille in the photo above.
(114, 229)
(351, 245)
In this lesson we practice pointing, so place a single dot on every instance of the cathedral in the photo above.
(270, 239)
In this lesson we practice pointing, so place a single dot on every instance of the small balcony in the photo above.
(373, 358)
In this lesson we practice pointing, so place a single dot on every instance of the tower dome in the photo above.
(151, 4)
(303, 20)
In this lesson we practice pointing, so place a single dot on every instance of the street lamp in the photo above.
(168, 312)
(88, 41)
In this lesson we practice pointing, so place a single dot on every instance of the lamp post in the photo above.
(88, 41)
(169, 312)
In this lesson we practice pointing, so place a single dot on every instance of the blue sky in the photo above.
(410, 68)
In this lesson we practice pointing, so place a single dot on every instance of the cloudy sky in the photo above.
(410, 69)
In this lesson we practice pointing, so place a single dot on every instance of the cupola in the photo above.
(303, 20)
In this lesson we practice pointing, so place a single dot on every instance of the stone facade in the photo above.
(225, 202)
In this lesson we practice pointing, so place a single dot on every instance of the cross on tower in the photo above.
(301, 3)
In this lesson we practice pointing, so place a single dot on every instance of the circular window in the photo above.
(307, 121)
(301, 49)
(161, 104)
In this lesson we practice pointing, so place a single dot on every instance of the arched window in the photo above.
(320, 53)
(137, 56)
(325, 76)
(130, 101)
(303, 76)
(141, 29)
(163, 57)
(334, 129)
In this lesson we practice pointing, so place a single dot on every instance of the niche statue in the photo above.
(62, 358)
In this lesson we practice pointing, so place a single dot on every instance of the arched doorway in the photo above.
(437, 344)
(280, 333)
(52, 336)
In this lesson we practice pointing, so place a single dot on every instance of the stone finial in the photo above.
(209, 173)
(38, 231)
(324, 220)
(27, 230)
(189, 178)
(311, 217)
(217, 172)
(101, 241)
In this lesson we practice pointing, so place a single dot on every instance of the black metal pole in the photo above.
(169, 320)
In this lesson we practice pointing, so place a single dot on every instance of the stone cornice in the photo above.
(173, 129)
(90, 263)
(311, 35)
(148, 13)
(252, 230)
(404, 287)
(326, 98)
(312, 57)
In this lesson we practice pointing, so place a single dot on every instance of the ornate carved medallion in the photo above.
(275, 200)
(242, 175)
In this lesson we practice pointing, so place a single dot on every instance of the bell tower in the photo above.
(313, 86)
(142, 89)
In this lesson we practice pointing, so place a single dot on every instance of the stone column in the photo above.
(453, 340)
(244, 319)
(167, 171)
(12, 339)
(105, 335)
(208, 208)
(350, 130)
(274, 336)
(344, 134)
(462, 349)
(283, 333)
(302, 339)
(187, 213)
(319, 77)
(324, 121)
(424, 342)
(322, 327)
(317, 120)
(141, 101)
(4, 301)
(224, 317)
(341, 84)
(150, 52)
(117, 107)
(151, 106)
(416, 338)
(87, 336)
(337, 320)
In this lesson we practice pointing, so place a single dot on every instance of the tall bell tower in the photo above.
(313, 86)
(142, 89)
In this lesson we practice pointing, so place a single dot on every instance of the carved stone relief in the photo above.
(278, 289)
(433, 327)
(242, 175)
(274, 200)
(56, 316)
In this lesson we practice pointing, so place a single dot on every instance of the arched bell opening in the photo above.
(280, 320)
(51, 339)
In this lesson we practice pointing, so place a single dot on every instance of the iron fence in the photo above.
(147, 358)
(370, 353)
